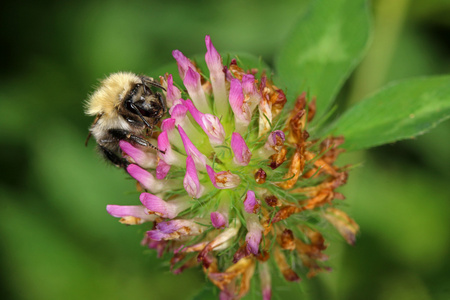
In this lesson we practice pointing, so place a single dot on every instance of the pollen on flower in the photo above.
(239, 185)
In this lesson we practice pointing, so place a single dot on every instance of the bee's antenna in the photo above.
(140, 115)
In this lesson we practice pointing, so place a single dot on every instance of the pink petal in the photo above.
(192, 79)
(183, 63)
(193, 85)
(236, 96)
(157, 235)
(252, 94)
(242, 113)
(217, 77)
(165, 209)
(130, 214)
(168, 124)
(196, 114)
(119, 211)
(274, 144)
(191, 182)
(162, 169)
(212, 57)
(191, 150)
(213, 128)
(218, 220)
(169, 156)
(265, 280)
(142, 158)
(159, 246)
(173, 93)
(249, 84)
(276, 139)
(178, 112)
(251, 204)
(228, 293)
(174, 225)
(224, 179)
(242, 154)
(145, 178)
(209, 123)
(175, 229)
(253, 237)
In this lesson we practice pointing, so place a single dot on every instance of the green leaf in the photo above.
(399, 111)
(323, 49)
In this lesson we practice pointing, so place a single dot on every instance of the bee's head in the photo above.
(141, 105)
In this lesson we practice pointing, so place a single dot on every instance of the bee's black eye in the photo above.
(149, 109)
(146, 109)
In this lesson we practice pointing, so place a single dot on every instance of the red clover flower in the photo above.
(238, 187)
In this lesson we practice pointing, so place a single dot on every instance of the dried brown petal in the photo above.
(278, 158)
(316, 238)
(287, 272)
(177, 257)
(312, 109)
(331, 142)
(139, 187)
(322, 164)
(297, 112)
(285, 212)
(229, 291)
(194, 248)
(272, 201)
(311, 250)
(130, 220)
(246, 277)
(260, 176)
(313, 266)
(263, 256)
(295, 169)
(330, 184)
(296, 126)
(221, 279)
(220, 239)
(237, 71)
(339, 196)
(286, 240)
(188, 264)
(266, 221)
(329, 149)
(346, 226)
(241, 253)
(207, 87)
(300, 103)
(310, 173)
(211, 265)
(323, 197)
(278, 100)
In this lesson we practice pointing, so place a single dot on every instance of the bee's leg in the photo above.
(125, 135)
(162, 101)
(113, 158)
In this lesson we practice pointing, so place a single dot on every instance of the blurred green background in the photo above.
(58, 242)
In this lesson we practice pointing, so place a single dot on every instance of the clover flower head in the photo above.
(237, 186)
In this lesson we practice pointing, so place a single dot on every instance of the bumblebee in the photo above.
(125, 108)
